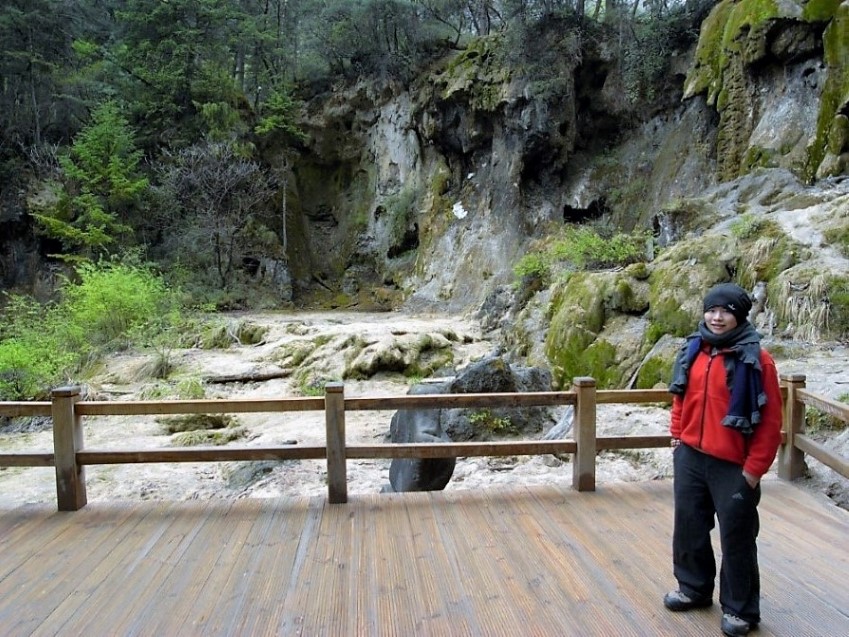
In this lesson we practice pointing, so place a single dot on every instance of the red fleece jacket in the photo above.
(697, 415)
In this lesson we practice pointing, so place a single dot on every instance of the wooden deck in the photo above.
(523, 561)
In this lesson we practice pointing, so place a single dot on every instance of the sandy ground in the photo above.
(826, 367)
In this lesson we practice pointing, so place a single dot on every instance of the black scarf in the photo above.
(743, 372)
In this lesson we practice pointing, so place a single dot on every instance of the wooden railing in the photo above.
(791, 455)
(70, 456)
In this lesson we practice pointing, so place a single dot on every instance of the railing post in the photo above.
(334, 411)
(791, 460)
(583, 467)
(67, 440)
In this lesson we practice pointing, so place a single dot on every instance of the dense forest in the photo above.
(144, 121)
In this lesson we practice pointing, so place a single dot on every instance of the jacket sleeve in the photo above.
(764, 443)
(675, 418)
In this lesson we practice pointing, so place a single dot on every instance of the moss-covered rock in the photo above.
(810, 304)
(656, 367)
(476, 75)
(201, 437)
(197, 422)
(577, 316)
(834, 99)
(738, 34)
(408, 354)
(766, 258)
(592, 331)
(680, 278)
(654, 371)
(838, 301)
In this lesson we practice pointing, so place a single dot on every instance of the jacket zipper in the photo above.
(711, 356)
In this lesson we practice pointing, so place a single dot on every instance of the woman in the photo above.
(726, 428)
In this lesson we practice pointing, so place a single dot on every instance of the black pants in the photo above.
(706, 486)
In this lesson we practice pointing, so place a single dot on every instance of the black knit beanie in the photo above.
(732, 297)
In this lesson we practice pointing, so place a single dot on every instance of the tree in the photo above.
(175, 56)
(34, 50)
(101, 186)
(222, 199)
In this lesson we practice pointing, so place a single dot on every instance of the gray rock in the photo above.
(415, 426)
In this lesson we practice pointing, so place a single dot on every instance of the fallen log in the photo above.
(247, 377)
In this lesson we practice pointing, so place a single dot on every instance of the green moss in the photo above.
(220, 437)
(819, 10)
(564, 349)
(653, 333)
(670, 317)
(249, 333)
(730, 28)
(838, 136)
(782, 256)
(197, 422)
(655, 370)
(626, 297)
(436, 214)
(757, 157)
(639, 271)
(680, 277)
(735, 35)
(578, 314)
(477, 75)
(600, 362)
(839, 237)
(706, 73)
(838, 300)
(835, 94)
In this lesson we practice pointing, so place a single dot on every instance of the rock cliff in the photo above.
(427, 195)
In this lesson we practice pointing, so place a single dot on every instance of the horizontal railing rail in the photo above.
(70, 455)
(797, 443)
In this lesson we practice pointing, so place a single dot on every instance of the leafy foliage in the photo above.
(582, 247)
(491, 423)
(280, 114)
(102, 185)
(110, 305)
(533, 264)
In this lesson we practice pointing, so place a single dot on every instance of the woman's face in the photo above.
(720, 320)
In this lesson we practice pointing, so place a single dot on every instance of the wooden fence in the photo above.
(70, 456)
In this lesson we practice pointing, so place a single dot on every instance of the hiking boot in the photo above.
(734, 626)
(678, 601)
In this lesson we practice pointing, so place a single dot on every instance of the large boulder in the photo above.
(489, 375)
(419, 425)
(494, 375)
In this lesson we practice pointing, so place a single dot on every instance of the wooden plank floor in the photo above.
(520, 561)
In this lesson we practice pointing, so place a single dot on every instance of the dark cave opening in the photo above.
(595, 210)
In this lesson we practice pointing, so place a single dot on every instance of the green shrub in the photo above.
(487, 421)
(819, 421)
(191, 388)
(585, 248)
(115, 302)
(106, 307)
(533, 264)
(24, 368)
